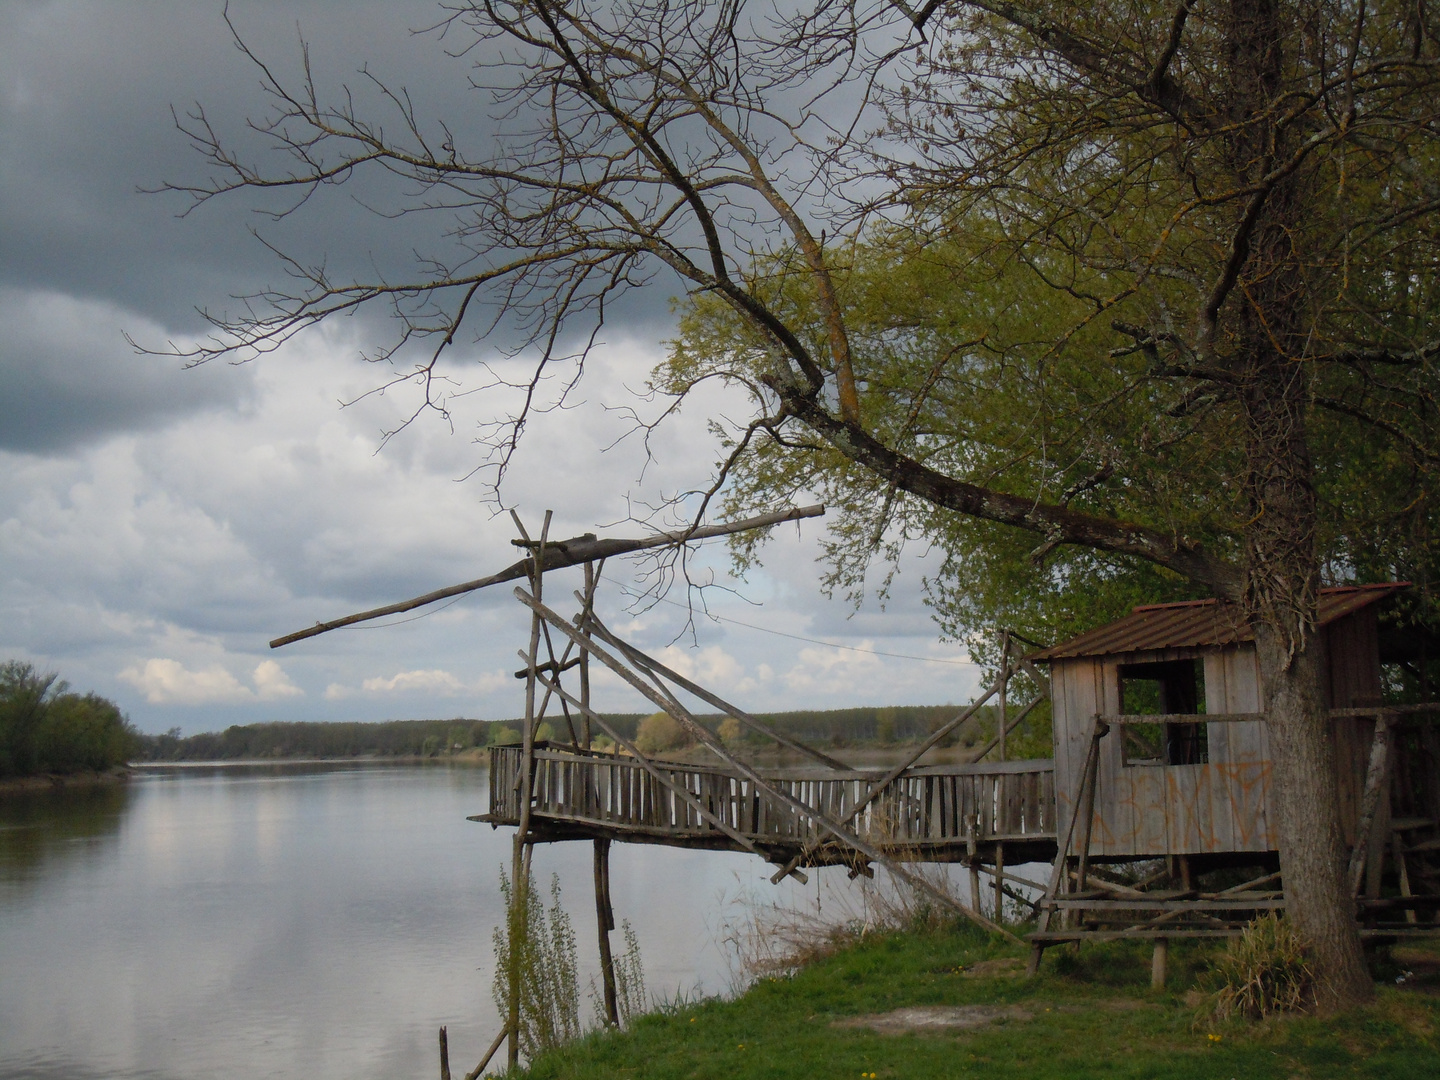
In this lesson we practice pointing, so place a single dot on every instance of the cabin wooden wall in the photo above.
(1222, 805)
(1148, 810)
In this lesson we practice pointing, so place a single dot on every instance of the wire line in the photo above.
(815, 641)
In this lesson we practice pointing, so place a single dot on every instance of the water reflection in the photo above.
(295, 921)
(42, 830)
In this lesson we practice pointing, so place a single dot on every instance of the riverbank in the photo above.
(954, 1003)
(24, 785)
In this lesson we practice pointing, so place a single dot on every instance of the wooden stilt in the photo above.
(444, 1055)
(605, 920)
(1158, 961)
(520, 863)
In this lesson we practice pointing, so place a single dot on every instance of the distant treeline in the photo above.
(437, 738)
(46, 729)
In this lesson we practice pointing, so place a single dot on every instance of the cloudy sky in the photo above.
(158, 525)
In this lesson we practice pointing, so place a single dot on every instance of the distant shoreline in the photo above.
(24, 785)
(466, 759)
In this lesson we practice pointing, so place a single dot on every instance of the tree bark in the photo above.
(1312, 849)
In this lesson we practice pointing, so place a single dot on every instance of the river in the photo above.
(307, 921)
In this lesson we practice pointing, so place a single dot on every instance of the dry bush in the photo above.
(769, 940)
(1264, 972)
(659, 732)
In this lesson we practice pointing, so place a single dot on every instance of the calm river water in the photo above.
(305, 921)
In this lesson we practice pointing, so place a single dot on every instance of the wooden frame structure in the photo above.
(824, 813)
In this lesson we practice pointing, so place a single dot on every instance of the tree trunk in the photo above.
(1265, 340)
(1312, 848)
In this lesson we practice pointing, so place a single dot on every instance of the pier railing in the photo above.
(925, 806)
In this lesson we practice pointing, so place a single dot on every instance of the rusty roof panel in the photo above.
(1200, 624)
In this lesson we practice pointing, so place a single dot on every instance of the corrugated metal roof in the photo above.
(1200, 624)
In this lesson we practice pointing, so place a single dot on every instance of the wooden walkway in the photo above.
(929, 813)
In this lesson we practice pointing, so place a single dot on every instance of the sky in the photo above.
(159, 525)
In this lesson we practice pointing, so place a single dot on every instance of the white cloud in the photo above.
(432, 681)
(168, 682)
(711, 666)
(835, 669)
(272, 684)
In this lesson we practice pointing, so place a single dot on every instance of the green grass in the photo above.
(1092, 1016)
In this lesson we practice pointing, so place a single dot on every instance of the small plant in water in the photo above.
(538, 948)
(1264, 972)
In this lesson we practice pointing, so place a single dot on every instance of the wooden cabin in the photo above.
(1201, 788)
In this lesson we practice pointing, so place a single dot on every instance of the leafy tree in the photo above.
(1188, 247)
(25, 696)
(44, 728)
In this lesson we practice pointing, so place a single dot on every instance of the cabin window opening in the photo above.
(1174, 686)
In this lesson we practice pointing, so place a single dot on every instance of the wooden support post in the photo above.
(972, 856)
(590, 582)
(1398, 847)
(1158, 961)
(999, 880)
(444, 1055)
(605, 920)
(1375, 777)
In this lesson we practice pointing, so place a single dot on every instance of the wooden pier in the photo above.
(929, 813)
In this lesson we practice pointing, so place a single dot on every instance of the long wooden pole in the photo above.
(1062, 850)
(557, 556)
(1089, 820)
(520, 863)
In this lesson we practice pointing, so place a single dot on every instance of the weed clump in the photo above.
(536, 948)
(1266, 971)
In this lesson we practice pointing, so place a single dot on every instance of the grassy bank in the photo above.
(1088, 1016)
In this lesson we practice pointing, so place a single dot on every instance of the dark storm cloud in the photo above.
(67, 376)
(86, 91)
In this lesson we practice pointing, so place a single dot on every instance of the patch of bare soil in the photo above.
(1007, 967)
(935, 1019)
